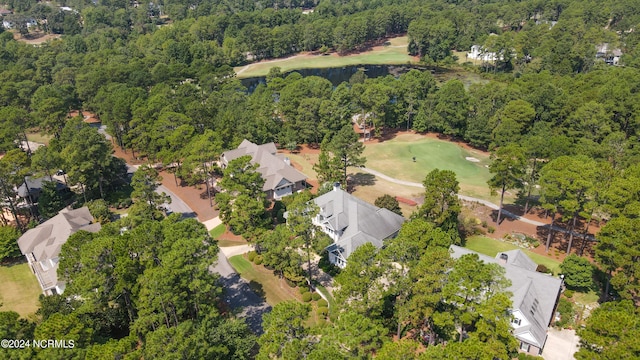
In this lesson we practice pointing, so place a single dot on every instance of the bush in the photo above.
(323, 311)
(303, 289)
(316, 296)
(306, 297)
(578, 272)
(258, 260)
(491, 229)
(568, 294)
(565, 308)
(251, 255)
(290, 283)
(322, 303)
(543, 269)
(484, 224)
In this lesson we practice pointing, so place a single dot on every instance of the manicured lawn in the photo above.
(20, 289)
(306, 161)
(492, 247)
(395, 53)
(217, 231)
(395, 158)
(263, 281)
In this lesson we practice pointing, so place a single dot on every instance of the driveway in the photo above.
(239, 296)
(561, 344)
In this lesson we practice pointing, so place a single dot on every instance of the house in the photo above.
(609, 56)
(479, 53)
(352, 222)
(280, 178)
(535, 296)
(42, 244)
(32, 187)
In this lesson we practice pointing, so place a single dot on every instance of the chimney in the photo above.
(336, 186)
(287, 161)
(503, 259)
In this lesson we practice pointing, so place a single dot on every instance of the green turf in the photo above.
(262, 281)
(492, 247)
(20, 289)
(396, 53)
(394, 158)
(217, 231)
(39, 138)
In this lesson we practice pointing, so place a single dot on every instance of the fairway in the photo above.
(393, 54)
(395, 158)
(20, 289)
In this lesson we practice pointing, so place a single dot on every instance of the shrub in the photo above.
(258, 260)
(251, 255)
(322, 303)
(316, 296)
(306, 297)
(543, 269)
(565, 308)
(484, 224)
(303, 289)
(578, 272)
(290, 283)
(323, 311)
(568, 294)
(491, 229)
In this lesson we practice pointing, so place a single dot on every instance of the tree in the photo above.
(578, 272)
(284, 331)
(50, 201)
(145, 182)
(301, 211)
(405, 349)
(451, 109)
(100, 211)
(328, 166)
(346, 147)
(354, 335)
(441, 204)
(9, 242)
(388, 202)
(508, 167)
(617, 251)
(359, 281)
(472, 288)
(611, 332)
(202, 152)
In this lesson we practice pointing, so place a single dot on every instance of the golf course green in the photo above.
(395, 158)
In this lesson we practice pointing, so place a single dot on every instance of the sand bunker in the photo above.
(472, 159)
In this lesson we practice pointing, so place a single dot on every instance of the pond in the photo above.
(341, 74)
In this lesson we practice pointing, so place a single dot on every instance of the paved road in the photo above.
(237, 293)
(472, 199)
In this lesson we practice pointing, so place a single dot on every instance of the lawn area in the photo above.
(492, 247)
(394, 53)
(262, 281)
(20, 289)
(306, 161)
(39, 138)
(394, 158)
(217, 231)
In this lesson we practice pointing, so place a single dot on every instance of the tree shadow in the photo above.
(258, 289)
(362, 179)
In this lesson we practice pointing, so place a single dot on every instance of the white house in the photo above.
(280, 178)
(479, 53)
(42, 244)
(352, 222)
(535, 296)
(609, 56)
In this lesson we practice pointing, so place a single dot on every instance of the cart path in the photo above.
(473, 199)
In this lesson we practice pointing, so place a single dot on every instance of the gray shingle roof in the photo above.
(273, 169)
(534, 293)
(35, 185)
(45, 240)
(360, 221)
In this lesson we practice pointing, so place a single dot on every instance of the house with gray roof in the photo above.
(535, 296)
(42, 244)
(352, 222)
(280, 178)
(32, 187)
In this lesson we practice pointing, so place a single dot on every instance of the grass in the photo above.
(39, 138)
(394, 158)
(217, 231)
(492, 247)
(20, 289)
(330, 299)
(394, 53)
(262, 281)
(306, 161)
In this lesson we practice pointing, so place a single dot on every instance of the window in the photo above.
(516, 321)
(524, 346)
